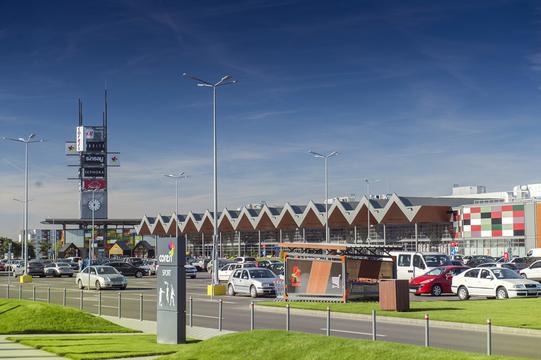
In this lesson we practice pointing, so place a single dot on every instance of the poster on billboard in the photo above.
(94, 184)
(71, 148)
(114, 160)
(93, 172)
(95, 146)
(314, 277)
(80, 139)
(93, 160)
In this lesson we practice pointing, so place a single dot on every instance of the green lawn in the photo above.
(28, 317)
(275, 344)
(99, 346)
(521, 313)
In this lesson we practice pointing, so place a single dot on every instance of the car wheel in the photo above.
(192, 277)
(463, 293)
(138, 274)
(230, 290)
(80, 284)
(124, 287)
(416, 294)
(501, 293)
(71, 275)
(98, 285)
(253, 291)
(436, 290)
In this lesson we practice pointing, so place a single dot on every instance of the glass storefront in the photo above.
(493, 247)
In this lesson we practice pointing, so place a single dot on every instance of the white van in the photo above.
(534, 252)
(410, 264)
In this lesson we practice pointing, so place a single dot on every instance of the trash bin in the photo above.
(394, 295)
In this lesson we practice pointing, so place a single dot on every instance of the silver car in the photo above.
(58, 269)
(101, 277)
(252, 281)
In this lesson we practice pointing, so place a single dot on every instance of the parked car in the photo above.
(509, 266)
(243, 259)
(411, 264)
(225, 272)
(493, 282)
(536, 252)
(101, 277)
(435, 282)
(58, 269)
(135, 261)
(191, 271)
(479, 259)
(128, 269)
(201, 264)
(278, 269)
(457, 258)
(221, 263)
(266, 263)
(150, 265)
(252, 281)
(33, 268)
(532, 272)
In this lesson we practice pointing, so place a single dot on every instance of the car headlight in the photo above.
(519, 286)
(426, 281)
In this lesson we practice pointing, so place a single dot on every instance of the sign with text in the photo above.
(94, 184)
(93, 172)
(80, 138)
(95, 146)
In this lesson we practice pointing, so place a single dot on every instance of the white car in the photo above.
(150, 266)
(252, 281)
(493, 282)
(532, 272)
(101, 277)
(225, 272)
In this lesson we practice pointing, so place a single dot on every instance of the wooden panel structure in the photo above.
(394, 295)
(319, 277)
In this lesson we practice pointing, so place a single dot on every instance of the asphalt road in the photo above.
(236, 315)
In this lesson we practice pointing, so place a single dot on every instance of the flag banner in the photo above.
(71, 148)
(114, 160)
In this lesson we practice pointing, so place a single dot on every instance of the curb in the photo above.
(505, 330)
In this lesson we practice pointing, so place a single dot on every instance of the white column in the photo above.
(203, 244)
(259, 243)
(239, 254)
(416, 238)
(355, 234)
(384, 235)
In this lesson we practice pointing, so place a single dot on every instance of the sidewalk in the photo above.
(12, 350)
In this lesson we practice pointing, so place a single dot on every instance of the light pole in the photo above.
(367, 181)
(326, 158)
(22, 241)
(177, 178)
(93, 205)
(226, 80)
(26, 141)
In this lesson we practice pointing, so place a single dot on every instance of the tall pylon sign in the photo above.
(90, 146)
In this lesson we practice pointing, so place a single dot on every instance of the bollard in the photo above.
(99, 303)
(33, 292)
(328, 321)
(427, 331)
(288, 317)
(64, 297)
(190, 305)
(252, 316)
(489, 337)
(141, 307)
(48, 295)
(374, 325)
(220, 305)
(119, 305)
(81, 300)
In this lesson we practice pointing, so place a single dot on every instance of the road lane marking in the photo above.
(352, 332)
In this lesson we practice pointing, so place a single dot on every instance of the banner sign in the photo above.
(71, 148)
(80, 139)
(89, 133)
(93, 172)
(93, 159)
(113, 160)
(94, 184)
(95, 146)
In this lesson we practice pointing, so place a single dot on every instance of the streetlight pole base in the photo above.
(25, 279)
(215, 290)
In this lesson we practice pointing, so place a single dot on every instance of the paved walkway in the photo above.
(15, 351)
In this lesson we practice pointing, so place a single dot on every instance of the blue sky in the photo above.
(419, 94)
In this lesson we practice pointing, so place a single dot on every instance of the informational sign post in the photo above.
(171, 289)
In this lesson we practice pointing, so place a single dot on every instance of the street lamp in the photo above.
(177, 178)
(22, 241)
(367, 181)
(26, 141)
(226, 80)
(326, 158)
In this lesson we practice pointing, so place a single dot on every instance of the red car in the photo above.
(435, 282)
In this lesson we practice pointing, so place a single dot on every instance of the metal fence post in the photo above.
(81, 300)
(288, 317)
(489, 337)
(99, 303)
(141, 307)
(374, 325)
(8, 290)
(48, 295)
(64, 297)
(119, 305)
(220, 305)
(33, 292)
(190, 306)
(20, 291)
(427, 330)
(328, 321)
(252, 316)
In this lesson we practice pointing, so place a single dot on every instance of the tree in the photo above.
(4, 247)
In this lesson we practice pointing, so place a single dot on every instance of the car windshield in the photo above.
(436, 260)
(62, 265)
(261, 274)
(506, 274)
(106, 270)
(435, 272)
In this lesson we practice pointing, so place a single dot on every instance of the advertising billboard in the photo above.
(93, 160)
(80, 139)
(95, 146)
(314, 277)
(94, 184)
(93, 172)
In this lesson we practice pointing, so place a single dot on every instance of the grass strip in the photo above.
(518, 313)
